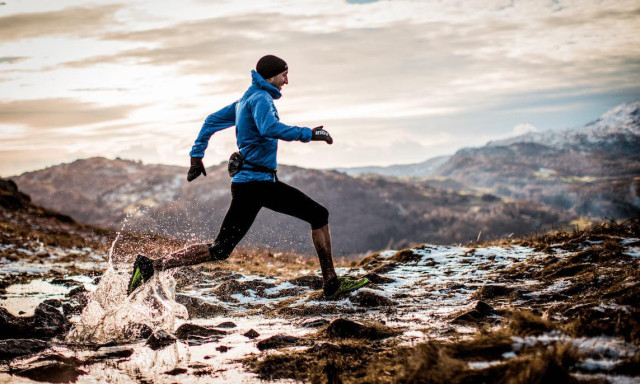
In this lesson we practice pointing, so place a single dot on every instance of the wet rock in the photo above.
(71, 310)
(377, 279)
(176, 371)
(222, 348)
(13, 348)
(277, 341)
(64, 282)
(312, 281)
(251, 334)
(76, 291)
(57, 370)
(53, 302)
(160, 339)
(369, 298)
(226, 324)
(344, 328)
(48, 321)
(480, 312)
(199, 308)
(187, 331)
(314, 323)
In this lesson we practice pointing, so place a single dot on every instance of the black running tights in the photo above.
(246, 201)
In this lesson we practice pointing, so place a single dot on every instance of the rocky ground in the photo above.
(557, 308)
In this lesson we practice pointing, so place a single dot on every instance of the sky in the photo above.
(393, 81)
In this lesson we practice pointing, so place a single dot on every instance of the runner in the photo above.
(255, 183)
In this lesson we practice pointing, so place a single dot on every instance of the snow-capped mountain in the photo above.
(616, 130)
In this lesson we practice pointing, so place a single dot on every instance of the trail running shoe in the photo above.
(142, 272)
(343, 284)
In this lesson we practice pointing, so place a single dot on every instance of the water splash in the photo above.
(112, 316)
(113, 245)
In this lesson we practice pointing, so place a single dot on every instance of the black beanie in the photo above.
(269, 66)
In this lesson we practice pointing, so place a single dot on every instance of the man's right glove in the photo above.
(197, 167)
(319, 134)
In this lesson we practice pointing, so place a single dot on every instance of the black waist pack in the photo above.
(237, 163)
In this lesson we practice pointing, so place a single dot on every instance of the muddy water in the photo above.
(423, 294)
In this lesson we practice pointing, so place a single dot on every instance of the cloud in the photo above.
(59, 112)
(521, 129)
(12, 59)
(76, 21)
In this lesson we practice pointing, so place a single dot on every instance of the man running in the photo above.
(254, 184)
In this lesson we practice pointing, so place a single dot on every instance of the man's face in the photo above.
(279, 80)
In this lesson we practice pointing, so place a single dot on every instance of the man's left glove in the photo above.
(320, 134)
(197, 167)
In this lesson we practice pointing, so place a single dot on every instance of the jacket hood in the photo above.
(259, 82)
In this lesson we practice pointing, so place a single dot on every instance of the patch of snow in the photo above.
(482, 364)
(388, 253)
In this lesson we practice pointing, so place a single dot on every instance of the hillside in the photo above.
(555, 308)
(366, 213)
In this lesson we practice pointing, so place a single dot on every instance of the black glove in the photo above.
(319, 134)
(196, 168)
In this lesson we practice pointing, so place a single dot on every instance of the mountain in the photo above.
(366, 213)
(592, 170)
(423, 169)
(616, 131)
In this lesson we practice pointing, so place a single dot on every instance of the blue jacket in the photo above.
(258, 129)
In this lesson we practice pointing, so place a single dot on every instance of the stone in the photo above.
(277, 341)
(77, 290)
(344, 328)
(480, 313)
(48, 321)
(187, 331)
(53, 302)
(314, 323)
(160, 339)
(12, 348)
(226, 324)
(251, 334)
